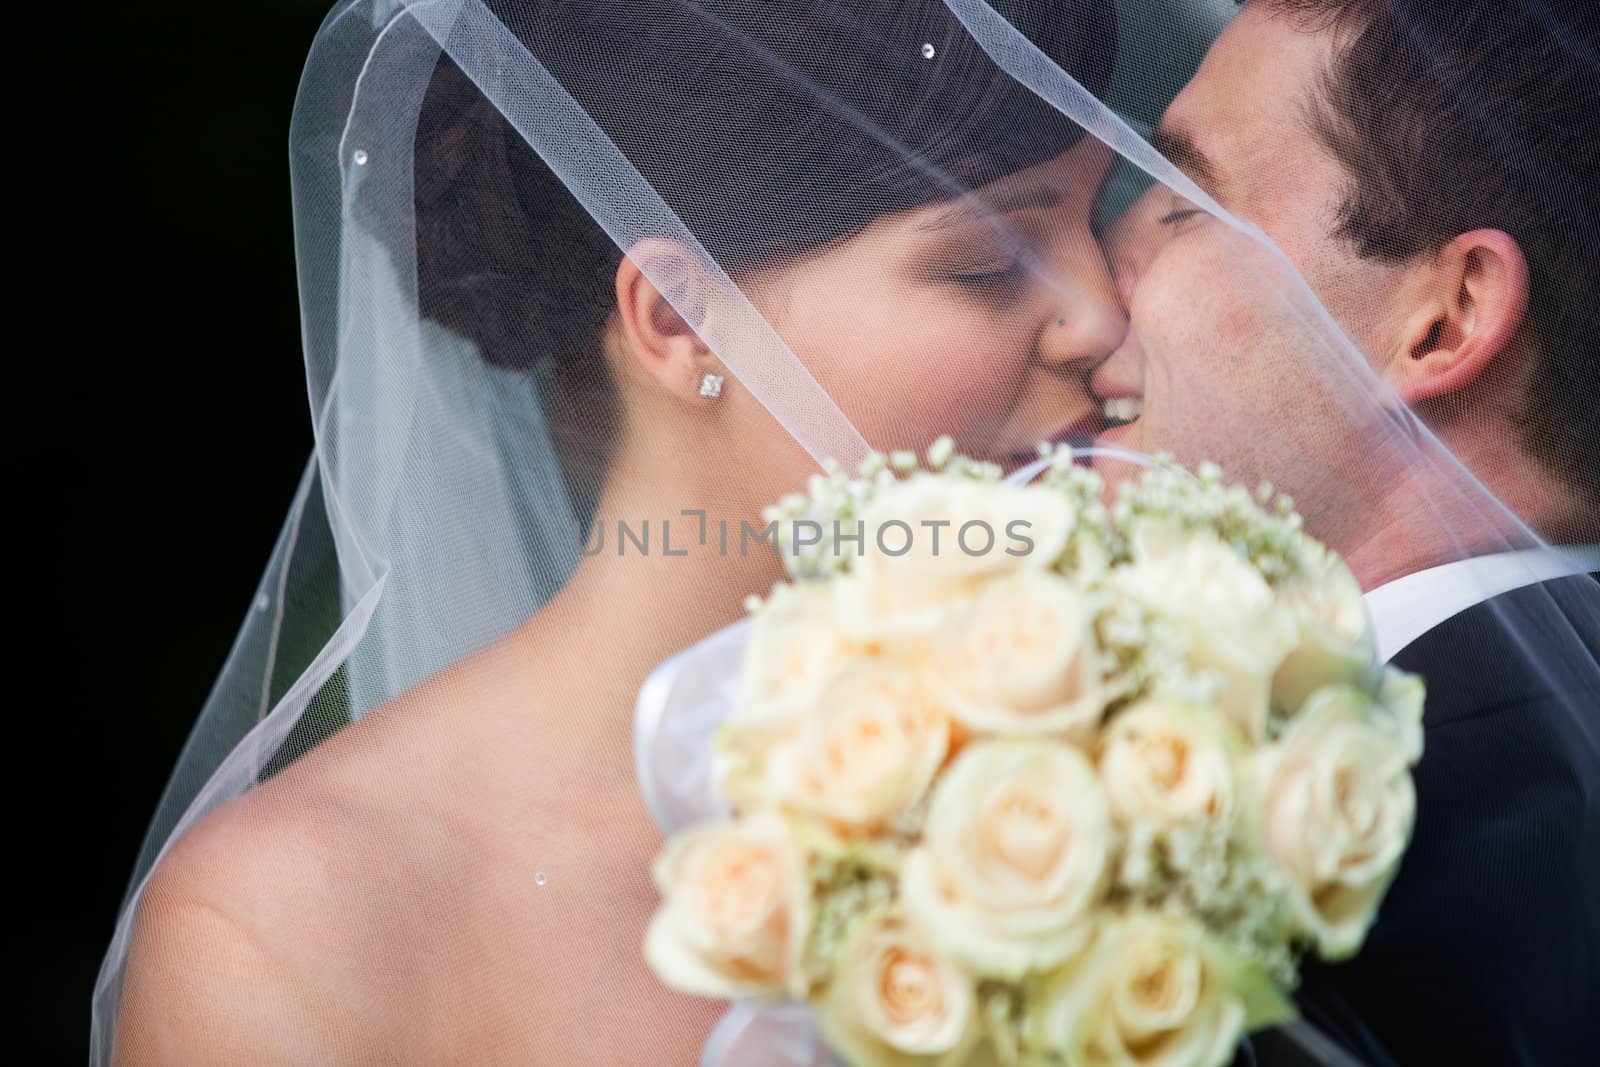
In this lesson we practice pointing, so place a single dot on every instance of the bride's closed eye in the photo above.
(992, 276)
(988, 270)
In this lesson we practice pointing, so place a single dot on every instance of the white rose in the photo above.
(891, 593)
(1339, 809)
(1013, 857)
(1023, 659)
(1336, 640)
(735, 910)
(1154, 991)
(1169, 764)
(895, 1002)
(1236, 629)
(866, 753)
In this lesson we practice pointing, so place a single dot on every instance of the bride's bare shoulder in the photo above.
(212, 965)
(261, 925)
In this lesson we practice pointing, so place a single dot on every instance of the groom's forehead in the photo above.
(1243, 119)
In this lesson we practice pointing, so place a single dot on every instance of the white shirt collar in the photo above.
(1408, 607)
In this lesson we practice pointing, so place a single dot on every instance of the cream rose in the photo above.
(1237, 630)
(1023, 659)
(867, 752)
(794, 651)
(1339, 809)
(1167, 764)
(735, 910)
(928, 543)
(1336, 640)
(896, 1003)
(1154, 991)
(1013, 858)
(795, 648)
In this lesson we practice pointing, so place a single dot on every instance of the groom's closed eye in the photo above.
(1180, 212)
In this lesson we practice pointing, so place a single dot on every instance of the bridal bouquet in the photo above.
(1019, 778)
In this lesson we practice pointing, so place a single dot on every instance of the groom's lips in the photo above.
(1120, 408)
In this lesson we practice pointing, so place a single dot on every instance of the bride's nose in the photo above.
(1086, 322)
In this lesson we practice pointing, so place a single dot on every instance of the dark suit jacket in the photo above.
(1487, 947)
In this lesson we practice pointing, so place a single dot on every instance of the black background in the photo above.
(159, 424)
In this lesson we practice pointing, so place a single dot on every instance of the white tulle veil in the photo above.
(455, 165)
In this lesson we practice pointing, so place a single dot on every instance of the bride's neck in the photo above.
(647, 585)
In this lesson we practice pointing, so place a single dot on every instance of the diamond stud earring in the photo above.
(711, 385)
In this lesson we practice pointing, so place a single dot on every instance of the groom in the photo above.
(1428, 166)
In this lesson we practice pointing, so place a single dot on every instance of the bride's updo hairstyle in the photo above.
(749, 118)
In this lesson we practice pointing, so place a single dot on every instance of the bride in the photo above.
(852, 197)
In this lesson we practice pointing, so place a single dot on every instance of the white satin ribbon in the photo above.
(767, 1035)
(675, 721)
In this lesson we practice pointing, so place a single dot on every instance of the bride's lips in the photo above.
(1079, 433)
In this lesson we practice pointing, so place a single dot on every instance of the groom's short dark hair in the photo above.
(1456, 115)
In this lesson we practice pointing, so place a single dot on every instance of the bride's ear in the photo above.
(1472, 307)
(659, 322)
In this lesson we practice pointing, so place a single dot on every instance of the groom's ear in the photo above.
(659, 321)
(1467, 318)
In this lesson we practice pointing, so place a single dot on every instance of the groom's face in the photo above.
(1218, 347)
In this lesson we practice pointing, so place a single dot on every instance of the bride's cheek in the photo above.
(979, 383)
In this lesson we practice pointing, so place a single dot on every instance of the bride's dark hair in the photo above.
(739, 112)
